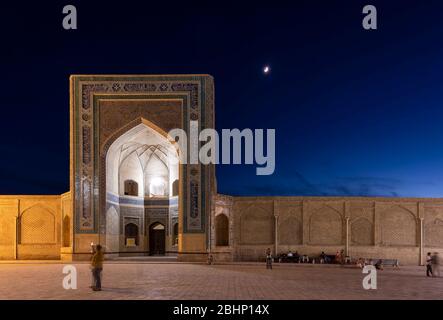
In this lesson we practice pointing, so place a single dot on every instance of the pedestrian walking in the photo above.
(429, 272)
(97, 267)
(92, 254)
(268, 259)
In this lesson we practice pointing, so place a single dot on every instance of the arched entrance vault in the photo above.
(142, 173)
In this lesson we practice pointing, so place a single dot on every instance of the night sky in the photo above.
(356, 112)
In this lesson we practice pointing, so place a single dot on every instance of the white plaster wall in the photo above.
(131, 169)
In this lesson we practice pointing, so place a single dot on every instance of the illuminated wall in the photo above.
(34, 227)
(400, 228)
(141, 167)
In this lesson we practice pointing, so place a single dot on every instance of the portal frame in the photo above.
(93, 97)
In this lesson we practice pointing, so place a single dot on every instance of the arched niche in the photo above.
(398, 227)
(326, 227)
(37, 226)
(130, 188)
(131, 234)
(221, 230)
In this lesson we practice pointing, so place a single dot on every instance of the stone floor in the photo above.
(136, 280)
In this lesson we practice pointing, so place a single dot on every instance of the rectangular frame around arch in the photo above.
(86, 92)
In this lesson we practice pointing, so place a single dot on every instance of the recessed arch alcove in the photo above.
(142, 169)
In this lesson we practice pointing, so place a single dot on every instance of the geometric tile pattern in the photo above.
(87, 178)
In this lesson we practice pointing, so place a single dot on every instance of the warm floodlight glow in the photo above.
(157, 187)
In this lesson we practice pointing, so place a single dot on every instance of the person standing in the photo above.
(337, 257)
(92, 254)
(97, 267)
(429, 272)
(268, 259)
(210, 259)
(342, 256)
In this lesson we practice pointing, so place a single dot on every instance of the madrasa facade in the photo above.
(129, 193)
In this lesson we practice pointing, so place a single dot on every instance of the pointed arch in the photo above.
(326, 226)
(37, 225)
(131, 125)
(66, 231)
(138, 146)
(398, 226)
(41, 206)
(131, 234)
(157, 238)
(146, 155)
(221, 230)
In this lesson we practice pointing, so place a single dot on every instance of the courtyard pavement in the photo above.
(177, 281)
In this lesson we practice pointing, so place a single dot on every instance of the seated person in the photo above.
(360, 263)
(290, 254)
(379, 265)
(296, 256)
(282, 257)
(324, 257)
(337, 257)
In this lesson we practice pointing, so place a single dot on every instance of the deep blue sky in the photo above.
(356, 112)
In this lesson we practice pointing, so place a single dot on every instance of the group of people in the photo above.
(432, 265)
(295, 256)
(432, 261)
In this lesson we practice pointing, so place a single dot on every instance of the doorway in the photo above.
(157, 237)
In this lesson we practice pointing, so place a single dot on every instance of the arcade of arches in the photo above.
(129, 193)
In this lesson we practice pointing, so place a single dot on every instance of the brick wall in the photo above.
(400, 228)
(30, 227)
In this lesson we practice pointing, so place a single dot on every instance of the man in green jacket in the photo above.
(97, 268)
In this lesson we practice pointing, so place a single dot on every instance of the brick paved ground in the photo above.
(193, 281)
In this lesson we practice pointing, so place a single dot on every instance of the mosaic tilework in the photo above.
(87, 178)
